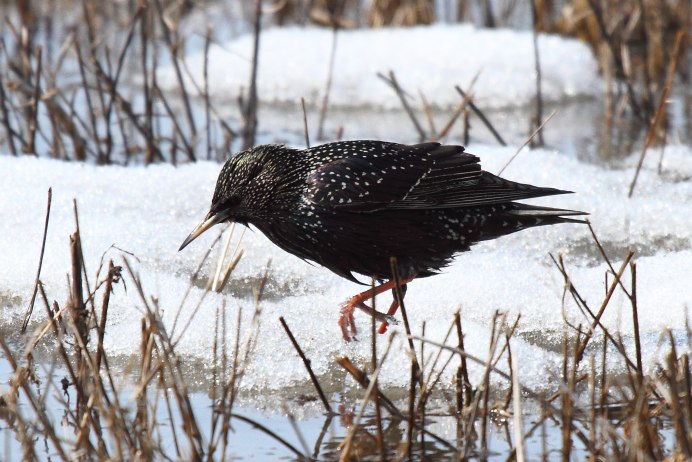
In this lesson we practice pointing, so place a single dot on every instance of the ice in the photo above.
(293, 63)
(148, 211)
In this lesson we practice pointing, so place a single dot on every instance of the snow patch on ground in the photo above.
(293, 63)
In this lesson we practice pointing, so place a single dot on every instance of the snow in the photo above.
(148, 211)
(293, 63)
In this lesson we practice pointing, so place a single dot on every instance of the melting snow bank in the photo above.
(293, 63)
(149, 211)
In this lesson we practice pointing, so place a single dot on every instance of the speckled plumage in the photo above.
(351, 205)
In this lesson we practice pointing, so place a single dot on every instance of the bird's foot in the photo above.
(384, 318)
(347, 322)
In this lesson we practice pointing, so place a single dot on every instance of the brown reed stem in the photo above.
(538, 116)
(391, 80)
(328, 83)
(305, 123)
(306, 361)
(30, 309)
(250, 107)
(33, 107)
(658, 118)
(482, 116)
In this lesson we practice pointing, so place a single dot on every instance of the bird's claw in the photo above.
(389, 319)
(347, 322)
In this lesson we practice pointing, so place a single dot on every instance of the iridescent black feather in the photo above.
(351, 205)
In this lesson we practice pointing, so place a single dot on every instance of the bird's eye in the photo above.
(226, 203)
(231, 201)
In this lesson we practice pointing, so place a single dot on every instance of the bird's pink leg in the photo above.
(391, 312)
(346, 320)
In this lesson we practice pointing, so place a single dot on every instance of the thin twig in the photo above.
(394, 84)
(617, 58)
(250, 108)
(466, 99)
(328, 84)
(11, 134)
(305, 123)
(658, 116)
(481, 116)
(36, 97)
(270, 433)
(635, 322)
(29, 310)
(346, 444)
(306, 361)
(207, 103)
(516, 400)
(537, 65)
(528, 140)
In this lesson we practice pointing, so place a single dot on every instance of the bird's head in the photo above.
(246, 190)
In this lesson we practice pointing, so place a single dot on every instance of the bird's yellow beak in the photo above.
(210, 220)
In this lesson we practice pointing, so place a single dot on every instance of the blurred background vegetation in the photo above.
(78, 78)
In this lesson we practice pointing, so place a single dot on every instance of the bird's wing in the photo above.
(456, 180)
(423, 176)
(367, 175)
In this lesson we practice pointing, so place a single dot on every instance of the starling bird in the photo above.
(353, 205)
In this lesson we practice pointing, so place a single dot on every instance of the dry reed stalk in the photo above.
(620, 71)
(635, 324)
(170, 35)
(400, 13)
(393, 83)
(465, 392)
(328, 81)
(484, 387)
(33, 107)
(30, 309)
(373, 365)
(481, 116)
(347, 442)
(306, 362)
(249, 109)
(205, 77)
(518, 427)
(597, 316)
(19, 381)
(659, 115)
(427, 111)
(363, 380)
(230, 387)
(428, 382)
(538, 24)
(10, 133)
(271, 434)
(305, 123)
(528, 141)
(466, 99)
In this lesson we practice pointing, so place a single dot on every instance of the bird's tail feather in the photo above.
(522, 216)
(555, 215)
